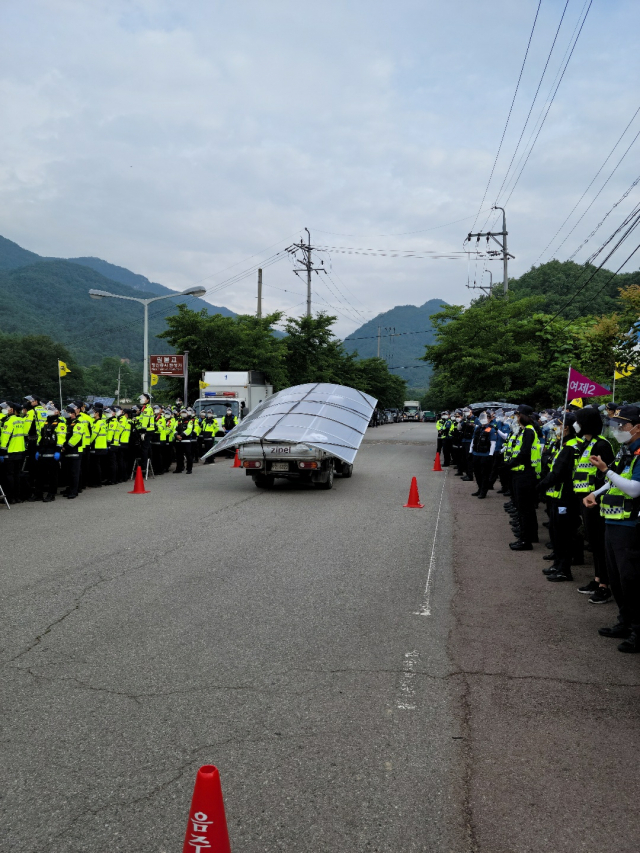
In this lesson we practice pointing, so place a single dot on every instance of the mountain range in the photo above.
(40, 295)
(404, 332)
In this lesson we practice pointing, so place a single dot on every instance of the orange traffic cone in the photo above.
(207, 825)
(138, 486)
(414, 497)
(436, 464)
(236, 461)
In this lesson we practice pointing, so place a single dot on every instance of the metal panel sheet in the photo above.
(330, 417)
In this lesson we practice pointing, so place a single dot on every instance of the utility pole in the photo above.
(259, 294)
(307, 264)
(494, 235)
(487, 290)
(378, 341)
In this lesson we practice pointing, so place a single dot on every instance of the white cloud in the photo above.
(178, 139)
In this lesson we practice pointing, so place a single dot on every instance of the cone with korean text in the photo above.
(207, 824)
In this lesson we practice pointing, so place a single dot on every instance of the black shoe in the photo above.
(507, 492)
(33, 498)
(70, 497)
(466, 479)
(617, 631)
(587, 589)
(475, 494)
(560, 576)
(551, 557)
(48, 499)
(508, 505)
(550, 570)
(545, 524)
(602, 595)
(631, 644)
(548, 545)
(178, 471)
(188, 472)
(482, 496)
(521, 546)
(500, 492)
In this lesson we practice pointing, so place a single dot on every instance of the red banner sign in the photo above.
(582, 386)
(166, 365)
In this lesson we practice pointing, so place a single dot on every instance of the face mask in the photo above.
(577, 429)
(142, 400)
(516, 429)
(484, 419)
(622, 436)
(5, 411)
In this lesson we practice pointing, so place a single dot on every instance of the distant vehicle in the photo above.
(307, 433)
(389, 416)
(429, 417)
(396, 414)
(411, 410)
(229, 389)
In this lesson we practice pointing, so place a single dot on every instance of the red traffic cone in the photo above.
(436, 464)
(207, 825)
(138, 486)
(236, 461)
(414, 497)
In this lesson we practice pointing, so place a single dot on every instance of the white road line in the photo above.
(425, 610)
(407, 688)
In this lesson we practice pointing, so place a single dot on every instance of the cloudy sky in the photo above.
(189, 141)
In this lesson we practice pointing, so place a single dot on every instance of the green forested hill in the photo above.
(405, 330)
(50, 296)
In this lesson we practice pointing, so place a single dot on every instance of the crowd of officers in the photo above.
(581, 465)
(43, 449)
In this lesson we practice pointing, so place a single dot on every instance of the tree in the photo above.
(101, 380)
(29, 365)
(373, 377)
(215, 342)
(314, 354)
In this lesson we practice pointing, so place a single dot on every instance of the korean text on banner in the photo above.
(582, 386)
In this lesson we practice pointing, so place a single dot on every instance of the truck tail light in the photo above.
(250, 464)
(307, 464)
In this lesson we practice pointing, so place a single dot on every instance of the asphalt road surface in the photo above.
(361, 683)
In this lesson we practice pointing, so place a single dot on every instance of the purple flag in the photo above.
(582, 386)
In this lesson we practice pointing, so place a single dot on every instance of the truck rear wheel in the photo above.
(328, 483)
(262, 481)
(347, 470)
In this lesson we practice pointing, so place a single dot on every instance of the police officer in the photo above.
(12, 449)
(72, 451)
(158, 438)
(184, 452)
(51, 440)
(229, 420)
(209, 429)
(620, 508)
(525, 468)
(145, 422)
(483, 446)
(465, 463)
(98, 447)
(563, 504)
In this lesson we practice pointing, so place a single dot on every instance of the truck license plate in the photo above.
(279, 466)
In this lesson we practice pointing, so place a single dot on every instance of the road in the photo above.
(361, 683)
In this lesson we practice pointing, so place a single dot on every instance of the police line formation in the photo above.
(43, 448)
(566, 461)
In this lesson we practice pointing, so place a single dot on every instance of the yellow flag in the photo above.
(623, 370)
(154, 378)
(577, 402)
(202, 384)
(62, 368)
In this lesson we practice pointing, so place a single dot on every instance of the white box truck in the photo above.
(230, 389)
(411, 410)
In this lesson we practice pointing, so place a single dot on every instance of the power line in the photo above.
(549, 107)
(611, 209)
(524, 127)
(607, 158)
(508, 116)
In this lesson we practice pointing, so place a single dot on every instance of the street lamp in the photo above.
(190, 291)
